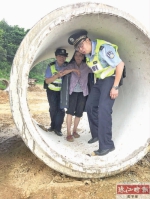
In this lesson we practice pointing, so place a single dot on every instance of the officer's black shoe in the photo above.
(92, 140)
(104, 151)
(50, 129)
(59, 133)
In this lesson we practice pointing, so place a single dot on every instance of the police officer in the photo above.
(53, 79)
(103, 58)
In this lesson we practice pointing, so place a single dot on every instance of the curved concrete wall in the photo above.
(131, 116)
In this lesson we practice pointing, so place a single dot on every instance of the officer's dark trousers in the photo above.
(99, 109)
(56, 113)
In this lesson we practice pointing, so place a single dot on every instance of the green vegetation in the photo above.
(38, 72)
(10, 39)
(2, 86)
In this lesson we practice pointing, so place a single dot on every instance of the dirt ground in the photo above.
(24, 176)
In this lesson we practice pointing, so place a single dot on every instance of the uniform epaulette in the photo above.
(51, 63)
(101, 47)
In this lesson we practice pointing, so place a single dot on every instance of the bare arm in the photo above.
(61, 74)
(53, 78)
(119, 70)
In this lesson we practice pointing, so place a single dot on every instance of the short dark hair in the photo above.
(73, 59)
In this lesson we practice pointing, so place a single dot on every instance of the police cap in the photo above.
(77, 37)
(61, 51)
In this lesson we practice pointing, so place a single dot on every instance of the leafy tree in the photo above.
(10, 39)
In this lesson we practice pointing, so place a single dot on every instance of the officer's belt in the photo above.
(56, 84)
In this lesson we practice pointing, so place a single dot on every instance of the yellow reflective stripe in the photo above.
(53, 87)
(57, 81)
(107, 73)
(102, 72)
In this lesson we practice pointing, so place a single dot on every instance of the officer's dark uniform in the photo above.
(103, 60)
(53, 95)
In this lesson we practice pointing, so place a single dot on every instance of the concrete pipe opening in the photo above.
(4, 84)
(131, 115)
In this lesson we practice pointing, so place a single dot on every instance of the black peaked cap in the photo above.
(77, 37)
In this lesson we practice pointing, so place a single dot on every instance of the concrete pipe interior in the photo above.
(131, 115)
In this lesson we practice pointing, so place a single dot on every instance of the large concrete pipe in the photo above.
(131, 115)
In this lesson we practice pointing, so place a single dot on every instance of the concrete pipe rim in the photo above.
(74, 164)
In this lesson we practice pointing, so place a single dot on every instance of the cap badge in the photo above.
(72, 40)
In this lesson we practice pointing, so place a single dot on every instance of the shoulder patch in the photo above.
(110, 54)
(51, 63)
(101, 48)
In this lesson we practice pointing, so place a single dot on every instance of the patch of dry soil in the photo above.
(24, 176)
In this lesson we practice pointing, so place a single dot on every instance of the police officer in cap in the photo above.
(53, 80)
(103, 58)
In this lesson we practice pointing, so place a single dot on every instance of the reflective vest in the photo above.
(56, 85)
(95, 65)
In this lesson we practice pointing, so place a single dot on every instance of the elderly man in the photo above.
(103, 58)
